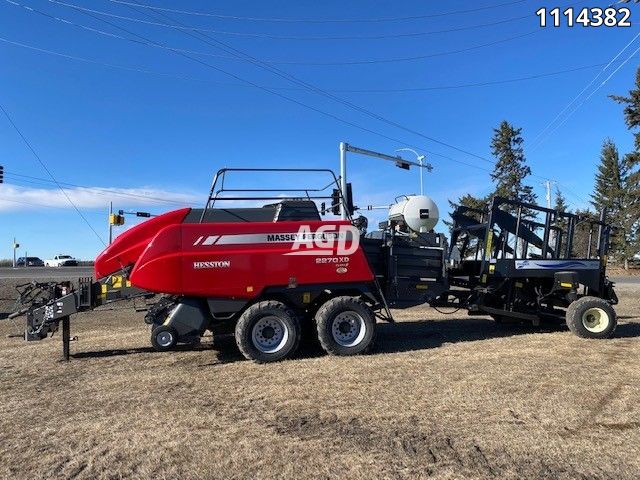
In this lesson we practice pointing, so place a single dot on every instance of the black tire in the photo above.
(346, 326)
(164, 338)
(591, 317)
(268, 331)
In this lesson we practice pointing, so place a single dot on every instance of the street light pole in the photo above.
(420, 159)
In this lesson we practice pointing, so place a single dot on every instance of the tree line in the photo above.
(616, 186)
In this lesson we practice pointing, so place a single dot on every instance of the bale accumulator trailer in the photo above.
(268, 270)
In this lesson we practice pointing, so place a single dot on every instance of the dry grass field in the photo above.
(440, 397)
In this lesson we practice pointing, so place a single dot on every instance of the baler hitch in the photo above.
(47, 305)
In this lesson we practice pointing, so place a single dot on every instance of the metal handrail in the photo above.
(214, 195)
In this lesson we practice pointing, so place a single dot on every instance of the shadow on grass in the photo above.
(133, 351)
(420, 335)
(391, 338)
(400, 337)
(628, 330)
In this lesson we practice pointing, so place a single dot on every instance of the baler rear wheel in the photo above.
(268, 331)
(164, 338)
(346, 326)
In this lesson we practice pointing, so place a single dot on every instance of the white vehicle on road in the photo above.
(61, 261)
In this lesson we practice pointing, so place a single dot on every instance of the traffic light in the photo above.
(336, 201)
(1, 174)
(115, 219)
(403, 164)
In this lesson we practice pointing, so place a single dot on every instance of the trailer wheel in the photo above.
(346, 326)
(268, 331)
(164, 338)
(591, 317)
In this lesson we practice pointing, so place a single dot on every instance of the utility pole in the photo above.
(15, 247)
(110, 222)
(547, 184)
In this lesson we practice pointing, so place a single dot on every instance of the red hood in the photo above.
(129, 245)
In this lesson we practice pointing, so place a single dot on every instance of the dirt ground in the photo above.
(441, 396)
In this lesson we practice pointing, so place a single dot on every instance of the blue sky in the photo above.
(157, 129)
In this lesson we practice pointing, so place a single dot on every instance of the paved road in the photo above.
(35, 273)
(70, 273)
(628, 280)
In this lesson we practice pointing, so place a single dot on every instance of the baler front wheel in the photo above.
(591, 317)
(346, 326)
(268, 331)
(164, 338)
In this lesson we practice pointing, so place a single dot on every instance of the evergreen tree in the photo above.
(561, 201)
(560, 222)
(509, 172)
(511, 169)
(470, 201)
(632, 109)
(580, 247)
(629, 217)
(616, 190)
(608, 191)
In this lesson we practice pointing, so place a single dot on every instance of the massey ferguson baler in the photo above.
(270, 269)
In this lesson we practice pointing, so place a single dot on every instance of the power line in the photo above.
(540, 137)
(35, 154)
(287, 76)
(294, 37)
(317, 20)
(227, 48)
(471, 85)
(98, 190)
(275, 70)
(372, 90)
(270, 61)
(253, 84)
(31, 204)
(412, 58)
(268, 90)
(564, 120)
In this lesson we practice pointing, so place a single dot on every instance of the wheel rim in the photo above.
(596, 320)
(164, 339)
(348, 328)
(270, 334)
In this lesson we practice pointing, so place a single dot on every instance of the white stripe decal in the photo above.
(315, 253)
(211, 239)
